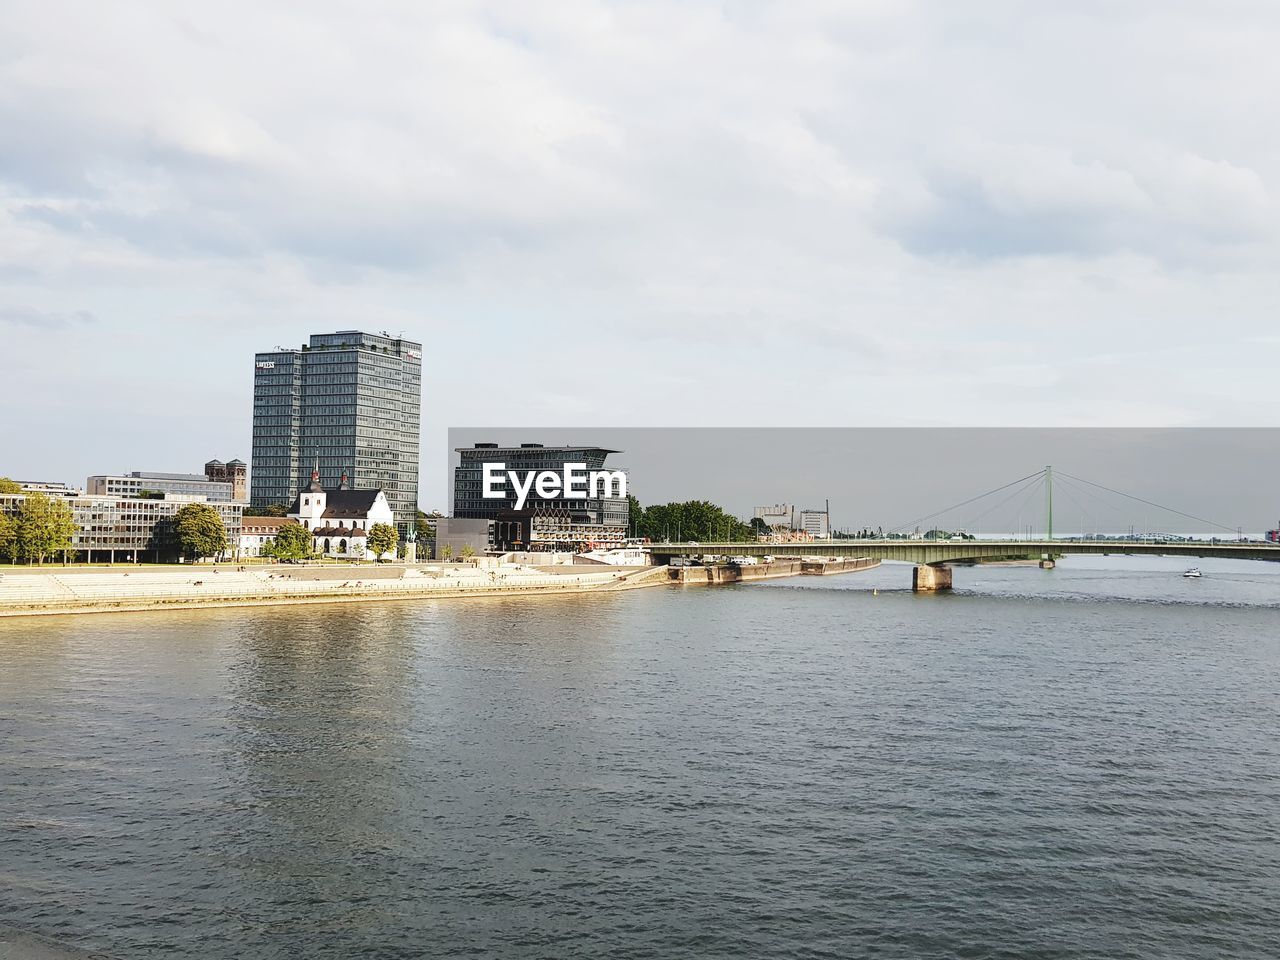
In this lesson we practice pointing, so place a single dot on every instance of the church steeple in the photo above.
(315, 478)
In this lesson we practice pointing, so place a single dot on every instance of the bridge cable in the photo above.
(1152, 503)
(1065, 489)
(1035, 487)
(964, 503)
(1032, 493)
(1109, 506)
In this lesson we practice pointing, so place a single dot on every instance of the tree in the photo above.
(200, 531)
(270, 510)
(9, 486)
(635, 515)
(383, 538)
(291, 542)
(447, 552)
(425, 524)
(9, 537)
(468, 551)
(692, 520)
(45, 527)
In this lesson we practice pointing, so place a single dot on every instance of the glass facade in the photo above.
(349, 402)
(555, 521)
(132, 528)
(140, 484)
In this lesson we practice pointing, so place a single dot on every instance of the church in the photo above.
(340, 520)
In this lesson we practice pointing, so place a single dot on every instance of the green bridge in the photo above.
(932, 556)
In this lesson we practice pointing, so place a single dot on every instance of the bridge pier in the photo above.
(929, 579)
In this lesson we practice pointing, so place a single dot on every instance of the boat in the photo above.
(1192, 573)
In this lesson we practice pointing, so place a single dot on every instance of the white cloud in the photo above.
(855, 197)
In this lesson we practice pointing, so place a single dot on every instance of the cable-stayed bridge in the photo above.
(933, 550)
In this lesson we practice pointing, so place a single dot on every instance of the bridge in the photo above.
(932, 556)
(933, 551)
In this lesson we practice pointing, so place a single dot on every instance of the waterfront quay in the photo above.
(722, 573)
(90, 590)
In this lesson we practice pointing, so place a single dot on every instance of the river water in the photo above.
(1082, 762)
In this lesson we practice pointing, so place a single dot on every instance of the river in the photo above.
(1082, 762)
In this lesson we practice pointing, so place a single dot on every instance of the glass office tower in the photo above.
(350, 402)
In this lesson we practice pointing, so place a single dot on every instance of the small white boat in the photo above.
(1193, 572)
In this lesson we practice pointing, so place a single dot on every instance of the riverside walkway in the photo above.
(78, 591)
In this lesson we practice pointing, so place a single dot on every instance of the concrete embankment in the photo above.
(732, 573)
(138, 589)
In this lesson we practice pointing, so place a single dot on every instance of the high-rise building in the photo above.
(345, 403)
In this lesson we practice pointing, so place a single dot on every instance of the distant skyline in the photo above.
(694, 213)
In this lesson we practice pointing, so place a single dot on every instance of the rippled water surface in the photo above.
(1074, 763)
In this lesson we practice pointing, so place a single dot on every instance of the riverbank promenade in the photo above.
(25, 592)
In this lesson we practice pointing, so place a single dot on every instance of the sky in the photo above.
(1206, 482)
(636, 214)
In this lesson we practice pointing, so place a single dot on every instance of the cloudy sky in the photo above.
(636, 213)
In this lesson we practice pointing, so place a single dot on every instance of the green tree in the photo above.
(9, 486)
(447, 552)
(468, 551)
(425, 524)
(9, 537)
(383, 538)
(635, 515)
(200, 531)
(692, 520)
(291, 542)
(270, 510)
(45, 527)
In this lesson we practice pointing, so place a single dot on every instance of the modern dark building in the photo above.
(544, 523)
(345, 403)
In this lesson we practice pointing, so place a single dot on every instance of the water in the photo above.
(1073, 763)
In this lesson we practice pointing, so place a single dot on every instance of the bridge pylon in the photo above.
(930, 578)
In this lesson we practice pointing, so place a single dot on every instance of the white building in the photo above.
(776, 515)
(257, 532)
(814, 522)
(340, 520)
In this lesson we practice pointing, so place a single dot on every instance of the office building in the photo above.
(220, 483)
(815, 523)
(119, 528)
(542, 523)
(52, 488)
(346, 402)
